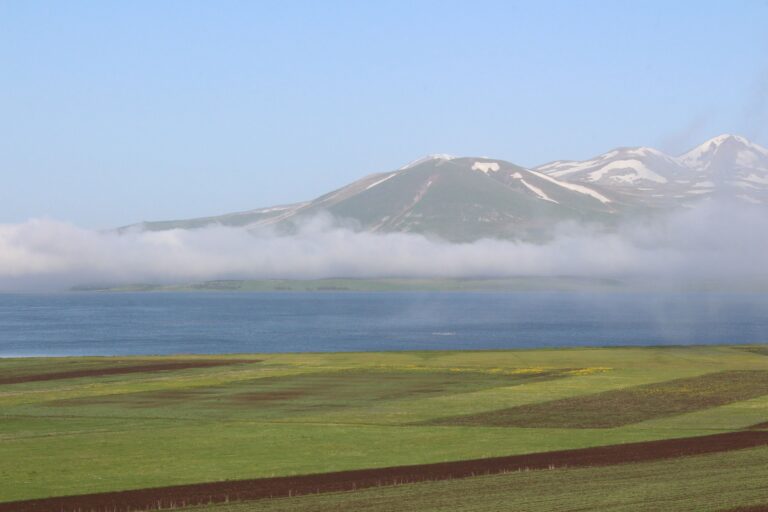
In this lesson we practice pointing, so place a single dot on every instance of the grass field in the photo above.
(619, 407)
(709, 483)
(82, 425)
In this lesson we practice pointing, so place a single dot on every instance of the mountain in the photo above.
(459, 199)
(725, 166)
(466, 198)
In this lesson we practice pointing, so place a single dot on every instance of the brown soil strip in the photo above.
(751, 508)
(271, 396)
(119, 370)
(240, 490)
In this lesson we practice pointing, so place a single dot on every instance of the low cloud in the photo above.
(721, 241)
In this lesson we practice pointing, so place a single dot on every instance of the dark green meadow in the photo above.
(634, 404)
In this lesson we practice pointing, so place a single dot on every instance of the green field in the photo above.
(287, 414)
(629, 405)
(710, 483)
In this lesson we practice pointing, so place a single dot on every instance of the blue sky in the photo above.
(116, 112)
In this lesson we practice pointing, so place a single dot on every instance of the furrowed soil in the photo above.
(224, 492)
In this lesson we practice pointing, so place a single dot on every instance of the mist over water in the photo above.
(713, 241)
(171, 323)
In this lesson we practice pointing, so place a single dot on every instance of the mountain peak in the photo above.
(721, 140)
(731, 147)
(727, 138)
(428, 158)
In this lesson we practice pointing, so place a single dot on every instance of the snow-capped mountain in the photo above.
(727, 165)
(467, 198)
(732, 165)
(455, 198)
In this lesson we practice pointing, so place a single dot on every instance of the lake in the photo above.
(212, 322)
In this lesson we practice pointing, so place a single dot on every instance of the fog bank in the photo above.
(721, 241)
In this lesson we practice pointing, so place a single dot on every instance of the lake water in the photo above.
(168, 323)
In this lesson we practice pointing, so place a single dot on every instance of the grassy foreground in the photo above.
(77, 425)
(709, 483)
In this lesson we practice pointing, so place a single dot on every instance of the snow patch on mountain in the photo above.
(436, 156)
(485, 167)
(572, 186)
(269, 209)
(749, 199)
(379, 182)
(638, 172)
(754, 178)
(536, 190)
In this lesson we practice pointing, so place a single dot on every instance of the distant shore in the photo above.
(399, 284)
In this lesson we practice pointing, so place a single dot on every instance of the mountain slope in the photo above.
(237, 219)
(462, 199)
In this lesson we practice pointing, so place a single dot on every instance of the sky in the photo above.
(117, 112)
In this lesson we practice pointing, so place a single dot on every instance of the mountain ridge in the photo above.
(726, 165)
(462, 199)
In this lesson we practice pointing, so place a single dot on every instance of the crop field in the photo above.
(529, 420)
(620, 407)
